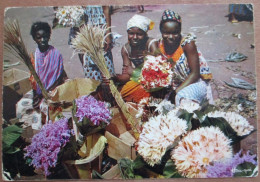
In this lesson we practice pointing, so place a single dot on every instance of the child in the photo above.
(48, 64)
(133, 56)
(190, 68)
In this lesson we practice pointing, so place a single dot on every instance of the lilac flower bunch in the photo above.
(96, 111)
(47, 144)
(226, 168)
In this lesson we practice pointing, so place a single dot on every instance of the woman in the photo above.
(97, 16)
(48, 63)
(133, 53)
(192, 73)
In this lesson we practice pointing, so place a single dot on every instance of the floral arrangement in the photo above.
(96, 111)
(192, 141)
(70, 16)
(236, 121)
(198, 149)
(229, 167)
(157, 134)
(90, 115)
(156, 72)
(47, 144)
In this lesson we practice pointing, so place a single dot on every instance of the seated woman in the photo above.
(192, 73)
(48, 63)
(133, 53)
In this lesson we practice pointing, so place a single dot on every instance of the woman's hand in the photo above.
(127, 69)
(105, 81)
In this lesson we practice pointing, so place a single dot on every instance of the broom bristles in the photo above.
(90, 41)
(13, 43)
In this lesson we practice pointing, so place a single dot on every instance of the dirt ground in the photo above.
(215, 39)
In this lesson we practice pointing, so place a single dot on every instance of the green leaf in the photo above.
(138, 162)
(199, 115)
(244, 169)
(126, 168)
(225, 127)
(206, 107)
(170, 170)
(187, 116)
(137, 73)
(9, 149)
(96, 175)
(138, 177)
(11, 134)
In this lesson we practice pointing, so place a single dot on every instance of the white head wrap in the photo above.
(141, 22)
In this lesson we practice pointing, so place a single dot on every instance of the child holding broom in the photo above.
(48, 63)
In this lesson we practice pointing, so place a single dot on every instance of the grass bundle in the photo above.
(90, 40)
(13, 43)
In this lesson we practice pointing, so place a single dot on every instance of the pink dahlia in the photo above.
(198, 149)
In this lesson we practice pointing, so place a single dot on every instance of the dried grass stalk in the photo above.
(90, 40)
(13, 43)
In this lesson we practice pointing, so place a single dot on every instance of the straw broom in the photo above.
(90, 40)
(14, 44)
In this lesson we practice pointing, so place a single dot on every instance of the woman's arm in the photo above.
(127, 68)
(153, 47)
(191, 53)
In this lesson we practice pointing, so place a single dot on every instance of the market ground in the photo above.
(216, 38)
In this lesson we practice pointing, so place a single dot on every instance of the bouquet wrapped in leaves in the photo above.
(193, 141)
(90, 115)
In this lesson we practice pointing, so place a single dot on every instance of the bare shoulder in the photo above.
(152, 44)
(190, 47)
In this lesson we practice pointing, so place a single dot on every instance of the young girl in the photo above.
(133, 56)
(48, 64)
(191, 69)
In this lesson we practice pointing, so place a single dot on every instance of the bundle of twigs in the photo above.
(90, 40)
(14, 44)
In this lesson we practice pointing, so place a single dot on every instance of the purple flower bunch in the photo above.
(96, 111)
(226, 168)
(47, 144)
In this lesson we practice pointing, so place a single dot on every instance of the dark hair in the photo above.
(164, 21)
(40, 26)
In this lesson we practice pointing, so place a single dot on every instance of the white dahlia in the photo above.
(157, 134)
(189, 105)
(236, 121)
(200, 148)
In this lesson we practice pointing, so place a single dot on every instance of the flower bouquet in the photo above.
(156, 73)
(70, 16)
(90, 115)
(191, 141)
(47, 146)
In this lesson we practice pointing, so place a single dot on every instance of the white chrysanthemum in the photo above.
(141, 105)
(189, 105)
(163, 106)
(70, 15)
(198, 149)
(236, 121)
(157, 134)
